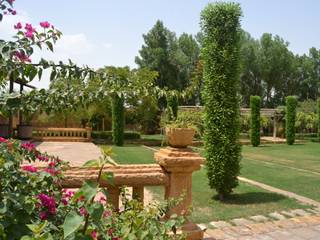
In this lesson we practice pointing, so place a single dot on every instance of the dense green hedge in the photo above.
(255, 102)
(291, 112)
(107, 135)
(318, 112)
(117, 120)
(220, 52)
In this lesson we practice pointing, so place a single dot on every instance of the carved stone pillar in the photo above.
(180, 163)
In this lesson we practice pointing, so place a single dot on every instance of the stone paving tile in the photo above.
(297, 228)
(259, 218)
(288, 214)
(300, 212)
(277, 216)
(305, 233)
(313, 211)
(220, 224)
(240, 221)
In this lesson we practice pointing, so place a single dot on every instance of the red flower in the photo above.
(45, 24)
(29, 168)
(18, 26)
(3, 140)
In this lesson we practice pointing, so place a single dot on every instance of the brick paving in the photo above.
(305, 225)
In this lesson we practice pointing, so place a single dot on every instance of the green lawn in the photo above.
(246, 201)
(293, 168)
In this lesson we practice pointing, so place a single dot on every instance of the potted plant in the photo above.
(180, 133)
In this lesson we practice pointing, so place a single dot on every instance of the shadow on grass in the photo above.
(251, 198)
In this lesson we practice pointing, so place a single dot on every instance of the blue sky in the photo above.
(109, 32)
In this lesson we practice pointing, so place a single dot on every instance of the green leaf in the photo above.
(88, 190)
(71, 224)
(108, 177)
(91, 163)
(50, 46)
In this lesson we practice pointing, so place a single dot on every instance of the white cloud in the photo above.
(6, 26)
(107, 45)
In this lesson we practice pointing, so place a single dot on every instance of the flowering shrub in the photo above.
(33, 204)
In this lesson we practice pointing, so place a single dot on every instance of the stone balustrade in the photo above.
(62, 134)
(173, 170)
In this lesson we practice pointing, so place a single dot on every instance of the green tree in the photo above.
(117, 120)
(155, 55)
(250, 68)
(221, 37)
(291, 112)
(255, 102)
(318, 112)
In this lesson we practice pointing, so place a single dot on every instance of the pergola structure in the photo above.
(11, 88)
(268, 112)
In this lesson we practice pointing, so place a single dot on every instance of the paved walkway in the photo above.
(76, 153)
(296, 228)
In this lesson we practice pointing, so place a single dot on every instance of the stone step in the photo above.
(277, 216)
(220, 224)
(241, 221)
(259, 218)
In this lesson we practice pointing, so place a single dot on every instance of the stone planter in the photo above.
(179, 137)
(4, 130)
(25, 131)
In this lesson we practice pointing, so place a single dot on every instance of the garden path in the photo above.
(76, 153)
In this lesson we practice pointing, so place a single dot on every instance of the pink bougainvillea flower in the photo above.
(29, 34)
(48, 202)
(29, 168)
(28, 146)
(21, 56)
(52, 171)
(94, 234)
(51, 164)
(45, 24)
(3, 140)
(83, 211)
(29, 28)
(18, 26)
(43, 215)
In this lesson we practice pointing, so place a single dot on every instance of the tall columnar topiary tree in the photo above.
(255, 102)
(291, 105)
(221, 34)
(117, 120)
(318, 120)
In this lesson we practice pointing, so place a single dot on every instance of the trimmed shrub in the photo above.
(107, 135)
(117, 120)
(255, 102)
(291, 109)
(318, 111)
(221, 34)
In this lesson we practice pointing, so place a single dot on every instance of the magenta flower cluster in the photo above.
(29, 168)
(48, 205)
(28, 146)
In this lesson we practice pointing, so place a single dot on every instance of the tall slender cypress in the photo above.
(255, 102)
(117, 120)
(220, 23)
(291, 112)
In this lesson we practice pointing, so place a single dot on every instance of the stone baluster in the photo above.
(113, 197)
(89, 130)
(180, 163)
(138, 193)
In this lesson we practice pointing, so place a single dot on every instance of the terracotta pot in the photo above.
(24, 131)
(179, 137)
(4, 130)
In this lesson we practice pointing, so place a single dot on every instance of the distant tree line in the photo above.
(267, 67)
